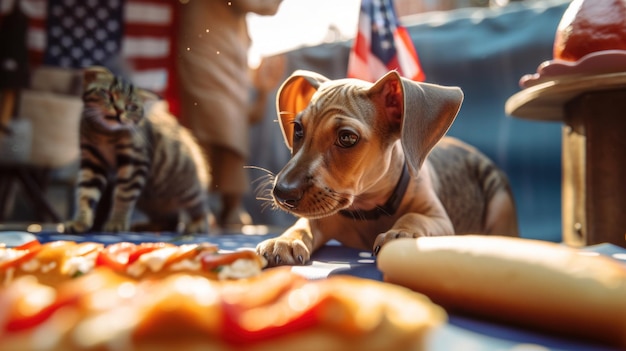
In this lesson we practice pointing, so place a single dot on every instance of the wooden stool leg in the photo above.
(594, 169)
(36, 193)
(6, 193)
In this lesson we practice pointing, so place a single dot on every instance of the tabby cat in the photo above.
(135, 154)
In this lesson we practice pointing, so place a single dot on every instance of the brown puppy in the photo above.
(359, 171)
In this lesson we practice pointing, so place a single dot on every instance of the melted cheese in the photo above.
(48, 267)
(9, 254)
(241, 268)
(154, 261)
(186, 265)
(30, 266)
(79, 264)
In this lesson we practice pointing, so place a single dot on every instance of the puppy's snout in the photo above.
(287, 195)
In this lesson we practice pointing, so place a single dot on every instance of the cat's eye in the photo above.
(298, 131)
(347, 138)
(132, 107)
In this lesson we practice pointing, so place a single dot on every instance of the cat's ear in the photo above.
(293, 96)
(146, 95)
(148, 99)
(96, 75)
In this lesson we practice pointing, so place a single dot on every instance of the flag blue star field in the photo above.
(382, 44)
(83, 33)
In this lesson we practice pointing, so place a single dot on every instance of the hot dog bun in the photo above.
(530, 282)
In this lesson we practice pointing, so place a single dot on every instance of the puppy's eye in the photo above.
(298, 132)
(347, 138)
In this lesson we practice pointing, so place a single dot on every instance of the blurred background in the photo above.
(482, 46)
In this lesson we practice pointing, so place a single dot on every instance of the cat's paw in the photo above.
(116, 226)
(197, 226)
(76, 227)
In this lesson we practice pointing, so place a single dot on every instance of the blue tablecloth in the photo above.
(461, 333)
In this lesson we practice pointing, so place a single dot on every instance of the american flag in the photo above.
(79, 33)
(382, 44)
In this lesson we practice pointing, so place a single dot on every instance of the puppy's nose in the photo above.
(287, 195)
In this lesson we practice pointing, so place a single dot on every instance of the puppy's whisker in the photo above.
(263, 193)
(264, 180)
(259, 169)
(263, 189)
(269, 204)
(286, 113)
(263, 184)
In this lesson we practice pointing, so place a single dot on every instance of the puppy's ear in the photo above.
(293, 96)
(423, 111)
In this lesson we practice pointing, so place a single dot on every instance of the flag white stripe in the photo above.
(357, 67)
(36, 39)
(377, 67)
(155, 80)
(142, 47)
(405, 58)
(35, 8)
(365, 24)
(144, 13)
(31, 8)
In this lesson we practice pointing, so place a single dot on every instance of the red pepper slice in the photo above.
(115, 256)
(234, 332)
(119, 255)
(86, 248)
(67, 295)
(17, 324)
(191, 251)
(145, 248)
(29, 245)
(31, 249)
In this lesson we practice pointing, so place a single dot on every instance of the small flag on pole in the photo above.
(382, 44)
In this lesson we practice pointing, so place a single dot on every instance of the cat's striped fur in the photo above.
(136, 152)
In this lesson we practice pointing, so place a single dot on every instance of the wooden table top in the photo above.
(545, 101)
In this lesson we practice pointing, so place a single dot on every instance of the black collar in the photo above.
(390, 207)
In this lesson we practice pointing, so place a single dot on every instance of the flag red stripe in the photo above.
(149, 64)
(35, 58)
(361, 46)
(34, 22)
(147, 30)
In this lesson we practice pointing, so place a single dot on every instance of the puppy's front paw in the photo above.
(390, 235)
(284, 251)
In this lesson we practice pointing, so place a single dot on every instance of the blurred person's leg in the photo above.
(229, 182)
